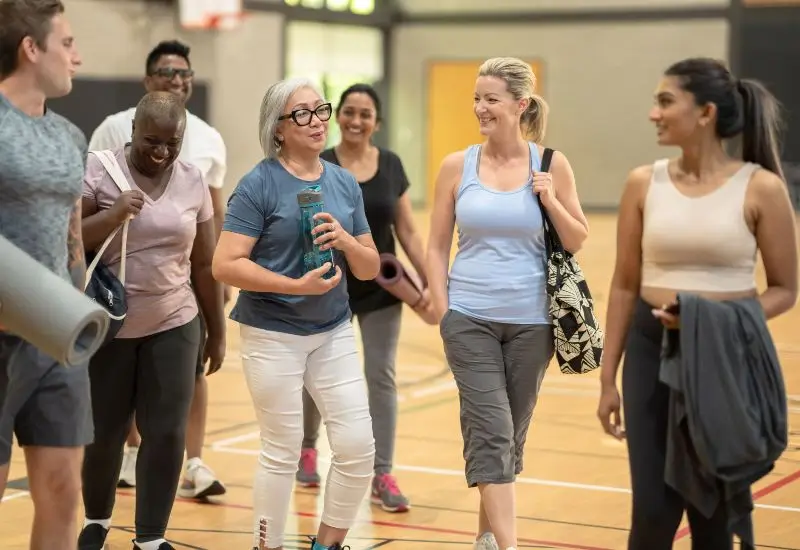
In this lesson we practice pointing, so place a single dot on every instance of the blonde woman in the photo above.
(496, 329)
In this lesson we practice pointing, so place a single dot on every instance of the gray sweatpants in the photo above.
(380, 332)
(498, 368)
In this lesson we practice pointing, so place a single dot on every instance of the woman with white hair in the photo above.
(295, 325)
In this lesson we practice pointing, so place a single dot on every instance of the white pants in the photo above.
(276, 367)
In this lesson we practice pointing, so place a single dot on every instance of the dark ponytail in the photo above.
(745, 108)
(762, 125)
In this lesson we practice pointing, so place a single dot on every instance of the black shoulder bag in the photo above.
(577, 335)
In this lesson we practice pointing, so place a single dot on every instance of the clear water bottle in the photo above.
(311, 203)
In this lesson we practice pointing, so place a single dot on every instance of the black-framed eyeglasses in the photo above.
(169, 73)
(302, 117)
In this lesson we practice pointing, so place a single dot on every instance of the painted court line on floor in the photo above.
(397, 525)
(223, 446)
(764, 491)
(15, 496)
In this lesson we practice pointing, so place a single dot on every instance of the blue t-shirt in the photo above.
(264, 206)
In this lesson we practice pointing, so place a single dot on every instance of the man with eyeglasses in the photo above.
(168, 68)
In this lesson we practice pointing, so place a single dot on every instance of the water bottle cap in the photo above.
(310, 195)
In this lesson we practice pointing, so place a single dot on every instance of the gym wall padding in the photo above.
(92, 99)
(770, 62)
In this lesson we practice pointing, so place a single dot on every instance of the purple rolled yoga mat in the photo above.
(403, 284)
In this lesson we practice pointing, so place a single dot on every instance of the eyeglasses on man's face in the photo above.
(303, 117)
(169, 73)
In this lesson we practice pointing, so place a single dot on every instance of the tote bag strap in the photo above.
(109, 162)
(552, 240)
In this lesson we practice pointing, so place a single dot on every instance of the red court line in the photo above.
(409, 526)
(764, 491)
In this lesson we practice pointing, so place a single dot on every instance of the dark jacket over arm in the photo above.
(728, 421)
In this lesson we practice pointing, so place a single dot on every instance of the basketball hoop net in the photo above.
(210, 14)
(224, 21)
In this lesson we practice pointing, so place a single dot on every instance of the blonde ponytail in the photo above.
(534, 120)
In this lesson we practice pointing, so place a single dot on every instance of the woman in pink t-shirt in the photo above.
(149, 367)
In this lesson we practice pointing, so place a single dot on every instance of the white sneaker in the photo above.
(199, 481)
(486, 542)
(127, 474)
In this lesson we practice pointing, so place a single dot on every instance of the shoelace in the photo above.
(389, 483)
(307, 460)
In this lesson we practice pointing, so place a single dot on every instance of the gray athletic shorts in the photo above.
(44, 403)
(498, 368)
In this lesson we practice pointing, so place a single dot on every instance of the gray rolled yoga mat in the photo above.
(42, 308)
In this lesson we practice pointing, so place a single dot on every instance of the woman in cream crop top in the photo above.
(694, 224)
(697, 243)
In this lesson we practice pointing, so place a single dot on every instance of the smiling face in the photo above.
(171, 73)
(56, 63)
(305, 122)
(495, 107)
(676, 114)
(156, 143)
(357, 118)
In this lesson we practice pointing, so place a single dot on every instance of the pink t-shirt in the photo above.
(160, 240)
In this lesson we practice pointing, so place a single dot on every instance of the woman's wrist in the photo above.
(349, 244)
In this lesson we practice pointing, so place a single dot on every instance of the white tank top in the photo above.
(700, 244)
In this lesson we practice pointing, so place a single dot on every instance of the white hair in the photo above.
(272, 107)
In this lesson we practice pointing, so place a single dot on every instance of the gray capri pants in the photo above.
(498, 368)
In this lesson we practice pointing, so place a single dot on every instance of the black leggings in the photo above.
(153, 376)
(657, 508)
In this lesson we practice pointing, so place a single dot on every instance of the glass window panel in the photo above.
(362, 7)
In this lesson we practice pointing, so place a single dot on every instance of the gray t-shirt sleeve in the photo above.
(246, 211)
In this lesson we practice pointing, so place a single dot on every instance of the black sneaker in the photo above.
(92, 537)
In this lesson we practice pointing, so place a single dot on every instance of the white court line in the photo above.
(15, 495)
(451, 473)
(222, 446)
(250, 436)
(779, 508)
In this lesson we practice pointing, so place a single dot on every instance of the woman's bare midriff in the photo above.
(659, 297)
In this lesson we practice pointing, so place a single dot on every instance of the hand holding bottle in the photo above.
(314, 284)
(330, 233)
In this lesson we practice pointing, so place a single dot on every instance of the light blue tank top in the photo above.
(500, 269)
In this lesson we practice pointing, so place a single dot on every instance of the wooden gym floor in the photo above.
(573, 493)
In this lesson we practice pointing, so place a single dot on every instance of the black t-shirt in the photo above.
(381, 194)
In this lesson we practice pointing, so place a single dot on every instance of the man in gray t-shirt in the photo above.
(42, 158)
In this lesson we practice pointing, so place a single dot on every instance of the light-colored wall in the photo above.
(115, 37)
(599, 80)
(419, 7)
